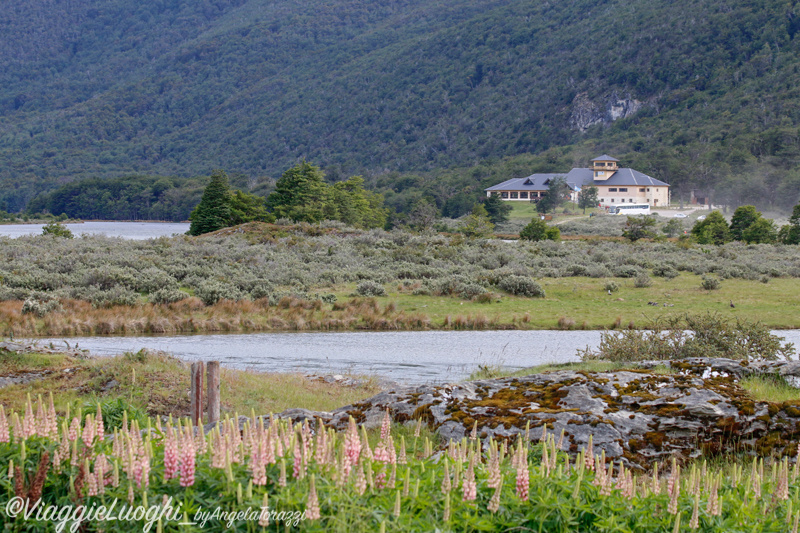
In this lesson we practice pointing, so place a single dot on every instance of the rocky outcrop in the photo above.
(586, 113)
(684, 408)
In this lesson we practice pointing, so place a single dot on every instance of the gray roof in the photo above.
(604, 157)
(534, 182)
(577, 178)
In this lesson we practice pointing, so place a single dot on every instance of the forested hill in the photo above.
(99, 88)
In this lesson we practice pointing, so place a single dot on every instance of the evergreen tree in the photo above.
(300, 194)
(639, 228)
(556, 193)
(790, 233)
(477, 224)
(762, 231)
(536, 230)
(498, 209)
(214, 210)
(246, 207)
(349, 202)
(587, 198)
(713, 230)
(743, 218)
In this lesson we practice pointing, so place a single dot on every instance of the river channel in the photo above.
(408, 357)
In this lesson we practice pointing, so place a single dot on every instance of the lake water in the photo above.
(410, 357)
(126, 230)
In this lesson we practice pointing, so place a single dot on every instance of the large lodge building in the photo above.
(615, 185)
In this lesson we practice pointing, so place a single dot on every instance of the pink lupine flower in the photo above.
(4, 434)
(366, 451)
(386, 426)
(187, 460)
(41, 418)
(523, 479)
(589, 455)
(74, 429)
(361, 480)
(469, 488)
(269, 451)
(29, 422)
(381, 454)
(674, 490)
(257, 466)
(88, 432)
(320, 444)
(312, 507)
(402, 458)
(91, 480)
(18, 432)
(352, 445)
(694, 522)
(446, 486)
(100, 467)
(495, 477)
(297, 466)
(52, 420)
(170, 454)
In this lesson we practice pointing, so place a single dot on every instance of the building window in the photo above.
(630, 200)
(514, 195)
(503, 195)
(612, 200)
(641, 190)
(648, 189)
(623, 189)
(523, 195)
(612, 189)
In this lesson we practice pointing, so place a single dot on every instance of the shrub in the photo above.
(553, 234)
(611, 286)
(167, 296)
(471, 290)
(521, 286)
(56, 229)
(370, 288)
(536, 230)
(40, 308)
(680, 337)
(642, 281)
(710, 283)
(212, 291)
(665, 271)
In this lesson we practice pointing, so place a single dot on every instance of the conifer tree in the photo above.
(214, 210)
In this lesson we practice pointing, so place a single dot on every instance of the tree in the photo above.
(743, 218)
(536, 230)
(349, 202)
(587, 198)
(673, 228)
(300, 194)
(762, 231)
(246, 207)
(214, 210)
(57, 229)
(639, 228)
(498, 209)
(477, 224)
(555, 194)
(713, 230)
(790, 233)
(422, 215)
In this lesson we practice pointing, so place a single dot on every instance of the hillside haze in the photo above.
(113, 87)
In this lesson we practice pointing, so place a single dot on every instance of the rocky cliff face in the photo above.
(639, 416)
(587, 113)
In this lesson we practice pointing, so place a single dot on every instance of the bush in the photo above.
(536, 230)
(521, 286)
(370, 288)
(665, 271)
(710, 283)
(642, 281)
(40, 308)
(471, 290)
(552, 234)
(56, 229)
(167, 296)
(611, 286)
(681, 337)
(212, 291)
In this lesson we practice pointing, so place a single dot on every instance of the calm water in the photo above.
(411, 357)
(126, 230)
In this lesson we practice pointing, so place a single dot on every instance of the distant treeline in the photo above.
(126, 198)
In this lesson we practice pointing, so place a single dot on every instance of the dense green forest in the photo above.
(705, 95)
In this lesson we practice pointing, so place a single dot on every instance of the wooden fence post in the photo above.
(213, 391)
(197, 393)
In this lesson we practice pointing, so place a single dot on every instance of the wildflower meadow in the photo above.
(74, 472)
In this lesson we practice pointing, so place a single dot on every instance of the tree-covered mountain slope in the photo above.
(697, 93)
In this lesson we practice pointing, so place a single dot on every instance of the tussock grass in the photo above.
(770, 388)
